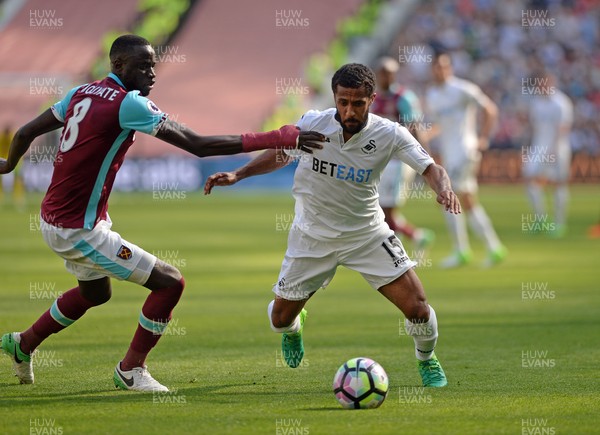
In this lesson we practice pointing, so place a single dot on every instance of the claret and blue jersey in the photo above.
(100, 120)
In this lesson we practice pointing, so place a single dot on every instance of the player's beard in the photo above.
(352, 128)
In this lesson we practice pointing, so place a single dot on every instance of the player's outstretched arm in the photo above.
(287, 137)
(25, 135)
(266, 162)
(437, 178)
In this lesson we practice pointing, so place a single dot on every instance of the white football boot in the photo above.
(21, 361)
(137, 379)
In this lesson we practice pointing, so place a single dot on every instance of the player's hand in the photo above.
(450, 201)
(220, 179)
(309, 140)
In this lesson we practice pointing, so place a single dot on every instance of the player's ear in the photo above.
(116, 64)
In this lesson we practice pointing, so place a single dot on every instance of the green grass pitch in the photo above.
(519, 342)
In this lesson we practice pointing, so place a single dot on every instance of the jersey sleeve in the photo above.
(567, 112)
(140, 114)
(305, 122)
(473, 93)
(410, 151)
(409, 107)
(59, 109)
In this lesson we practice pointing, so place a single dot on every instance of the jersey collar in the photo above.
(117, 79)
(356, 137)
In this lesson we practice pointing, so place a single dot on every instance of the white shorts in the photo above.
(99, 252)
(310, 264)
(395, 179)
(463, 176)
(553, 167)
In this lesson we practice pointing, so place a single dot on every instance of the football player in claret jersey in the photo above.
(100, 120)
(453, 104)
(400, 104)
(547, 159)
(338, 220)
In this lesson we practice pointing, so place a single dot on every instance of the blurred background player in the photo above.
(452, 104)
(399, 104)
(12, 183)
(547, 160)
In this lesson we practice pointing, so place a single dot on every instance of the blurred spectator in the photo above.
(499, 45)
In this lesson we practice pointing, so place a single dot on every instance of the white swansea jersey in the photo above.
(453, 106)
(548, 115)
(336, 187)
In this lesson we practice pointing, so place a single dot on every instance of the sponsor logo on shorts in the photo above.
(394, 248)
(124, 253)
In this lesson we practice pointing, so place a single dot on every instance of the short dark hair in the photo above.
(354, 75)
(124, 43)
(437, 54)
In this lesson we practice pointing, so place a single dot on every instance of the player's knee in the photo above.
(280, 322)
(97, 292)
(174, 278)
(165, 276)
(174, 291)
(104, 297)
(99, 298)
(178, 286)
(467, 200)
(277, 322)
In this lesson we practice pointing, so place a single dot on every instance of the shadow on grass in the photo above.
(109, 395)
(213, 394)
(326, 408)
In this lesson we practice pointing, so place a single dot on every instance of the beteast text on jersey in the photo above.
(341, 172)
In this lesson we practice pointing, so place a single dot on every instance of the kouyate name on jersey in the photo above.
(104, 92)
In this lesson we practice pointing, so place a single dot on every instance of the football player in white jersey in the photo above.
(452, 104)
(338, 220)
(548, 158)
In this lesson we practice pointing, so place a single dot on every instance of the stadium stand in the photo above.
(48, 46)
(235, 54)
(223, 70)
(500, 44)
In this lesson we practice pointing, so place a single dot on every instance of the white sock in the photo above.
(458, 231)
(294, 327)
(424, 334)
(482, 226)
(536, 198)
(561, 199)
